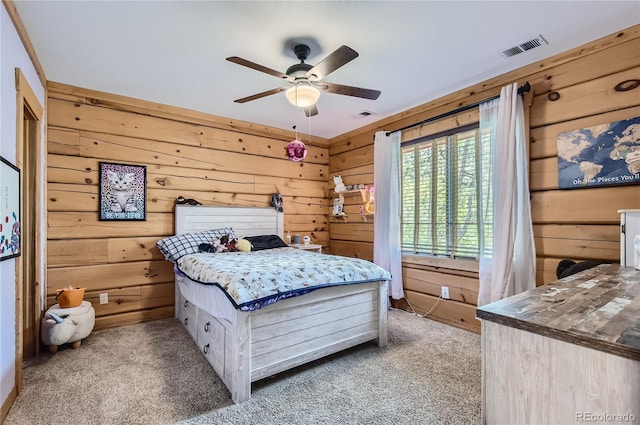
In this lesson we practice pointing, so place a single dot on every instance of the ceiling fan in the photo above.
(306, 80)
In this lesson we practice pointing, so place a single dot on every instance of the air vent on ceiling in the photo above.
(523, 47)
(363, 114)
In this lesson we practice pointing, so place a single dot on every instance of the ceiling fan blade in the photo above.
(335, 60)
(311, 111)
(259, 95)
(349, 90)
(257, 67)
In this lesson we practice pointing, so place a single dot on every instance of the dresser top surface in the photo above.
(598, 308)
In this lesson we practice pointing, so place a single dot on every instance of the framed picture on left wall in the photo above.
(9, 210)
(123, 191)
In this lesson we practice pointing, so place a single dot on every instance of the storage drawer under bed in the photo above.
(211, 341)
(187, 314)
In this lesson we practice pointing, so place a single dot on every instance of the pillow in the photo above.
(265, 242)
(177, 246)
(568, 267)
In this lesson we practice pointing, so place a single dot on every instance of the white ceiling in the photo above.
(173, 52)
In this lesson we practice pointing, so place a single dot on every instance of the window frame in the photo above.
(423, 137)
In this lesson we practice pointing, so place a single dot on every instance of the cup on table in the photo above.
(296, 239)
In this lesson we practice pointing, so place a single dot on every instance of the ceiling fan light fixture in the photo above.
(303, 95)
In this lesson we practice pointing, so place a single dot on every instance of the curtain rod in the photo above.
(522, 89)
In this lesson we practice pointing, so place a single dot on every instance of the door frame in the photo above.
(32, 158)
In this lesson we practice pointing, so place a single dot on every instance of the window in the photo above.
(441, 186)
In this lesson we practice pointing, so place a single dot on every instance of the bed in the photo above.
(248, 342)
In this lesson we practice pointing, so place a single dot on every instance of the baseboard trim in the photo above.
(471, 327)
(6, 406)
(456, 324)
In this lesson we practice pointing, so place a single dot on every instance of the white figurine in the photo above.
(340, 187)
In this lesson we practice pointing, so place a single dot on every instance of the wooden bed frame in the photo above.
(244, 347)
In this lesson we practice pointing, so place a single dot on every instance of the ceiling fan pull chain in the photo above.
(309, 115)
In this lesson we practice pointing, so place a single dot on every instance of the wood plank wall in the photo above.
(212, 159)
(580, 224)
(223, 162)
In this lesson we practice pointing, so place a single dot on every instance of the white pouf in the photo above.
(77, 323)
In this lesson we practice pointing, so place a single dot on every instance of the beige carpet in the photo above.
(152, 373)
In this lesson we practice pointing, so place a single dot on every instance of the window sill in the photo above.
(438, 262)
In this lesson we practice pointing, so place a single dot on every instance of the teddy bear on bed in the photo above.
(217, 246)
(226, 244)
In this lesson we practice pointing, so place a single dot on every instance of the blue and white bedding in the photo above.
(252, 280)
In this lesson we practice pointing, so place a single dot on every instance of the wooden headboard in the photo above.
(246, 221)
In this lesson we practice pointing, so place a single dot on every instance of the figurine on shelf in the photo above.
(338, 207)
(340, 187)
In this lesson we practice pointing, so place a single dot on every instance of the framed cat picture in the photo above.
(123, 191)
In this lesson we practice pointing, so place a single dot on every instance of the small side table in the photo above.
(308, 247)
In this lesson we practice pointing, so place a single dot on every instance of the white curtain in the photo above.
(508, 258)
(386, 227)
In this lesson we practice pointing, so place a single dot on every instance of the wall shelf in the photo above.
(365, 216)
(355, 192)
(362, 192)
(338, 217)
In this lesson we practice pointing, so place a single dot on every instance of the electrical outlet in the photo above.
(104, 298)
(444, 292)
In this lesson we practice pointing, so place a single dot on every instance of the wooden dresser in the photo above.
(564, 353)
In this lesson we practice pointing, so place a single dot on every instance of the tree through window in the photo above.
(441, 212)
